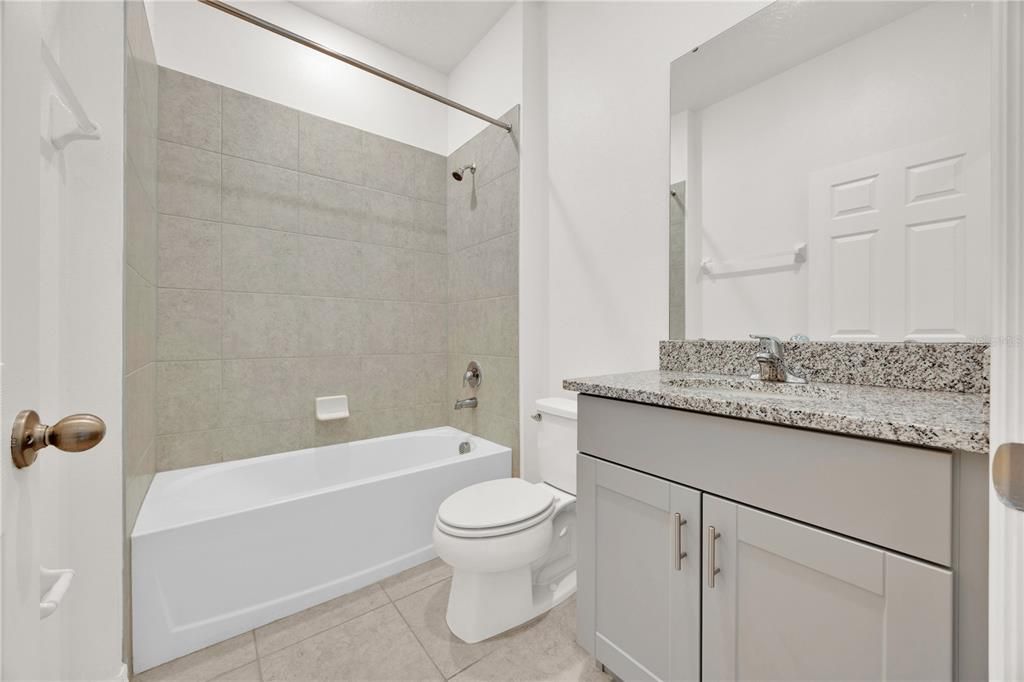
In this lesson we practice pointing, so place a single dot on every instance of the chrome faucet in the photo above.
(464, 403)
(771, 362)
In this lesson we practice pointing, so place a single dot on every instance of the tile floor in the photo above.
(393, 630)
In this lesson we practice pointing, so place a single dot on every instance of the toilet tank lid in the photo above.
(560, 407)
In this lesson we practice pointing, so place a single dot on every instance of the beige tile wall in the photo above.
(140, 295)
(483, 283)
(297, 257)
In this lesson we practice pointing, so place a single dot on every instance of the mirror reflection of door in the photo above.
(836, 161)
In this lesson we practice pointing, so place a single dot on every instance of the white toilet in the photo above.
(512, 544)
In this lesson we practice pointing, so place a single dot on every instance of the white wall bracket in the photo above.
(53, 585)
(68, 120)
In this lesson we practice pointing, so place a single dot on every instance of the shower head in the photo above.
(461, 172)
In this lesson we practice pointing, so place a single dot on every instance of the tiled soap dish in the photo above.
(331, 407)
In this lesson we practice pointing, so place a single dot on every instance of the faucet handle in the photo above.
(473, 375)
(769, 344)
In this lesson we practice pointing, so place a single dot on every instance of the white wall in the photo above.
(209, 44)
(489, 78)
(922, 77)
(533, 233)
(608, 162)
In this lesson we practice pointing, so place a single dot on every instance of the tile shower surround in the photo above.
(483, 292)
(299, 257)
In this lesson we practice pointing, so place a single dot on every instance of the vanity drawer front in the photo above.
(894, 496)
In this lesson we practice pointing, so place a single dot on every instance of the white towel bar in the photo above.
(796, 255)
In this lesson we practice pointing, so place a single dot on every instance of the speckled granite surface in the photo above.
(958, 367)
(940, 419)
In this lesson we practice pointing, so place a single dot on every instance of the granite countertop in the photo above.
(938, 419)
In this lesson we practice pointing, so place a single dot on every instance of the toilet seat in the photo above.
(495, 508)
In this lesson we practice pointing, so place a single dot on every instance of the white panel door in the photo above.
(899, 246)
(61, 270)
(20, 298)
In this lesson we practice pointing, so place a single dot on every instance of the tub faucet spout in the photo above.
(464, 403)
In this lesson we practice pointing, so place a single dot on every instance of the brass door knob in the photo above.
(74, 433)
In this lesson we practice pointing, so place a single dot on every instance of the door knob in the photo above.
(1008, 475)
(74, 433)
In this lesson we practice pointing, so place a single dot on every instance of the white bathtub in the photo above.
(218, 550)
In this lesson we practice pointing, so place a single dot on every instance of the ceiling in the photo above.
(777, 38)
(438, 33)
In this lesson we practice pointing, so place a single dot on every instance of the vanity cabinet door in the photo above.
(791, 602)
(645, 609)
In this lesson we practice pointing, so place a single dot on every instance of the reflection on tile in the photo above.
(375, 646)
(416, 578)
(206, 664)
(329, 208)
(331, 149)
(188, 181)
(260, 195)
(288, 631)
(425, 612)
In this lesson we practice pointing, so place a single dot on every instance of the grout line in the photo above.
(260, 656)
(354, 299)
(299, 170)
(419, 642)
(223, 222)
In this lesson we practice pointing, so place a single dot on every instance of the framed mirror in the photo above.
(830, 175)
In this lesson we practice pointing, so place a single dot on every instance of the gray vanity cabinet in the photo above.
(810, 556)
(646, 594)
(791, 602)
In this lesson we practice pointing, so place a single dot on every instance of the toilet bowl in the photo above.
(511, 546)
(511, 543)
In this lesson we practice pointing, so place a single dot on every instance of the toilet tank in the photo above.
(556, 442)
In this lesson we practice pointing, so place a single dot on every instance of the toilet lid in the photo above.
(495, 503)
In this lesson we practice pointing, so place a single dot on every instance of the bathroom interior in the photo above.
(384, 357)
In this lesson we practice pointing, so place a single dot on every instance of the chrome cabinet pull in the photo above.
(678, 552)
(713, 570)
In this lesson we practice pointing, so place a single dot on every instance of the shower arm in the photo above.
(301, 40)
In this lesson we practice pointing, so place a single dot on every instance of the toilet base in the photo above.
(482, 605)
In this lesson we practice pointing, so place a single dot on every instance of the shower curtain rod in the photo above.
(301, 40)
